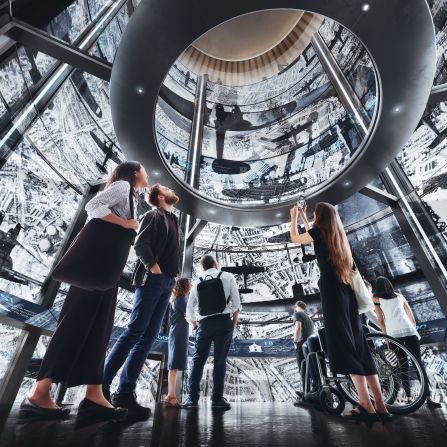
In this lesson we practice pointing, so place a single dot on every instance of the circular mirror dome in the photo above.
(268, 142)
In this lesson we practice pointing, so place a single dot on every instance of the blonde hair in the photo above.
(328, 221)
(182, 288)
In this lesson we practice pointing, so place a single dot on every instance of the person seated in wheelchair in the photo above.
(303, 329)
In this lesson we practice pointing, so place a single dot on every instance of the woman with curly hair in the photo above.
(178, 338)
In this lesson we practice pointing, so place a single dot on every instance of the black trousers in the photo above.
(217, 329)
(300, 356)
(413, 344)
(78, 348)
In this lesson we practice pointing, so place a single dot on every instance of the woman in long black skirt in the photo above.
(178, 338)
(77, 349)
(347, 347)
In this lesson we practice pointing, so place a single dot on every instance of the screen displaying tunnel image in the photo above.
(269, 137)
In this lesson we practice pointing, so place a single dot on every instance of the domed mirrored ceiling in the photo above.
(274, 127)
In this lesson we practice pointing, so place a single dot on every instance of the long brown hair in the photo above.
(126, 171)
(329, 223)
(182, 288)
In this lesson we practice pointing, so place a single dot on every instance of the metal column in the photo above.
(192, 175)
(196, 137)
(344, 90)
(398, 193)
(189, 228)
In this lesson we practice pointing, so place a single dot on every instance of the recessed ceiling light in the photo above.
(397, 109)
(347, 183)
(278, 214)
(365, 7)
(140, 90)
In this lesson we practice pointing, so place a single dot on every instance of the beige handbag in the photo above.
(362, 294)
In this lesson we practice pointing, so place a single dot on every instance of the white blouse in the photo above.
(113, 200)
(396, 319)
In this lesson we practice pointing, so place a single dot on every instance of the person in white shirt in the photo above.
(397, 320)
(213, 308)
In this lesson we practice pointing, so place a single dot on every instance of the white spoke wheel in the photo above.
(401, 375)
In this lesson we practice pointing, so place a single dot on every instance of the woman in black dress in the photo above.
(76, 353)
(347, 347)
(178, 338)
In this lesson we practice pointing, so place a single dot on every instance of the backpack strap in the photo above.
(200, 278)
(229, 296)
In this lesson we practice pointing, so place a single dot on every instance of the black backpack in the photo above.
(211, 294)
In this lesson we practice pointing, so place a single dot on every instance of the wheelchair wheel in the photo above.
(404, 384)
(389, 388)
(332, 401)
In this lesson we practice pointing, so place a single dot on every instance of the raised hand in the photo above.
(294, 212)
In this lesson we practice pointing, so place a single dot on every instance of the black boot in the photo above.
(129, 400)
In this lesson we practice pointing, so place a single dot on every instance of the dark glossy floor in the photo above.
(247, 424)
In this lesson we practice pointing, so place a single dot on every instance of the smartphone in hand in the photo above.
(301, 202)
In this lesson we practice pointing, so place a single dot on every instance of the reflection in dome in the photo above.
(270, 141)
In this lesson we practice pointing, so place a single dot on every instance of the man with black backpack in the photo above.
(213, 305)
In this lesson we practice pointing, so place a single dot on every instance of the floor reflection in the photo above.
(246, 424)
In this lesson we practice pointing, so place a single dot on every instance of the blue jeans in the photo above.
(134, 345)
(217, 329)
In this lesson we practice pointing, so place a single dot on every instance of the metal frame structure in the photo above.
(39, 40)
(60, 73)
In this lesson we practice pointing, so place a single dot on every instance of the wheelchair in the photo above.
(402, 377)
